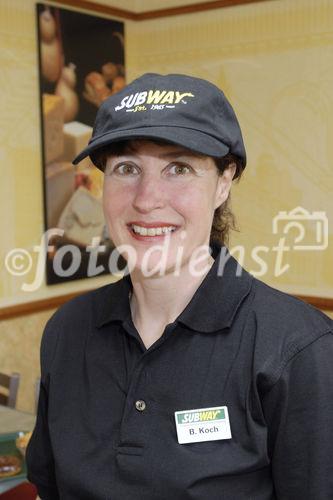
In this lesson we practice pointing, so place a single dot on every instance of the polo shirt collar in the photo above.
(213, 306)
(113, 302)
(216, 301)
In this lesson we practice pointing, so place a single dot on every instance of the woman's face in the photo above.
(160, 201)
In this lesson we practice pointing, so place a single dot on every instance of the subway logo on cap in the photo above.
(157, 99)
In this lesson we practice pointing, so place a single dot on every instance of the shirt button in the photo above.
(140, 405)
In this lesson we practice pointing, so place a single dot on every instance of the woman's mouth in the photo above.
(158, 230)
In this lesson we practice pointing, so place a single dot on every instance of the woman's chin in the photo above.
(153, 268)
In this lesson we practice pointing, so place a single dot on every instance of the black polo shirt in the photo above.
(106, 428)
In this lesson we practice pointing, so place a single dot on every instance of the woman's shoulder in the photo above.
(285, 326)
(284, 311)
(82, 313)
(83, 306)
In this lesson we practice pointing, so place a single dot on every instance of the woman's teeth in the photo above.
(152, 231)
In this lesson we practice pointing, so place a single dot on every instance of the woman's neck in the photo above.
(158, 301)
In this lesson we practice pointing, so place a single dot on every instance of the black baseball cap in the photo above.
(179, 109)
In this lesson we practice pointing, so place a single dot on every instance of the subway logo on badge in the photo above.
(205, 415)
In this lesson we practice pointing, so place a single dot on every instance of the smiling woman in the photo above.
(223, 220)
(162, 194)
(188, 378)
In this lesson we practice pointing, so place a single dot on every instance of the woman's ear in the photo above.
(224, 182)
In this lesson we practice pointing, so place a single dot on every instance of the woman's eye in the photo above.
(125, 169)
(179, 169)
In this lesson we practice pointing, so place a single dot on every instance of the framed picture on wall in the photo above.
(81, 63)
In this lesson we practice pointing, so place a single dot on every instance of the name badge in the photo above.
(203, 424)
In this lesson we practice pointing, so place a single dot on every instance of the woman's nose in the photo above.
(149, 194)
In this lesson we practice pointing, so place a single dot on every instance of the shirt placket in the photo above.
(138, 413)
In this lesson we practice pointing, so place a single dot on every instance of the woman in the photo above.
(188, 378)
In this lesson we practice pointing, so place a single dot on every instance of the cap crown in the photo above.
(178, 108)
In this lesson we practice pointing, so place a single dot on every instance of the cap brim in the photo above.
(194, 140)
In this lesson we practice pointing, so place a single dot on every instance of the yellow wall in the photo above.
(21, 189)
(21, 223)
(272, 59)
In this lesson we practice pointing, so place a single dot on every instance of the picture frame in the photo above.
(81, 63)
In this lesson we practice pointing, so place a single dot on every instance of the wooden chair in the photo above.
(11, 384)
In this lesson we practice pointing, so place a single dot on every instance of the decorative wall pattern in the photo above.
(274, 61)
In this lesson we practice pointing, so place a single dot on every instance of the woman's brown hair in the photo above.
(224, 219)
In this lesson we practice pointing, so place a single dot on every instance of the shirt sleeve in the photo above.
(299, 414)
(39, 456)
